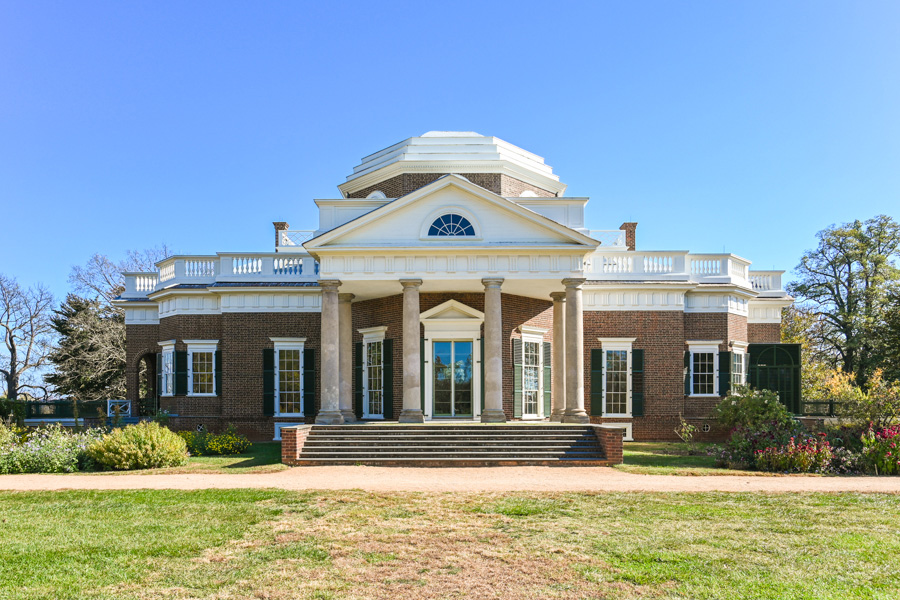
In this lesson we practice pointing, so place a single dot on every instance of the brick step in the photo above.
(453, 462)
(456, 447)
(443, 455)
(414, 452)
(372, 428)
(455, 443)
(468, 434)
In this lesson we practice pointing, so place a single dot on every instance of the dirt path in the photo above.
(485, 479)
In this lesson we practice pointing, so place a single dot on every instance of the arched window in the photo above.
(451, 225)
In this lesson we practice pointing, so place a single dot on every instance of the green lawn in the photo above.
(280, 544)
(671, 458)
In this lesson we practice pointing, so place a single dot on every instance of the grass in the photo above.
(282, 544)
(671, 458)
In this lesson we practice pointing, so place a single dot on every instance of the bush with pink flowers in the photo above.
(881, 450)
(806, 455)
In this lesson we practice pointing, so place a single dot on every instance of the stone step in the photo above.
(441, 447)
(441, 456)
(454, 462)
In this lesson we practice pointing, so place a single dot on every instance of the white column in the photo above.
(345, 352)
(575, 412)
(329, 412)
(492, 361)
(412, 361)
(558, 385)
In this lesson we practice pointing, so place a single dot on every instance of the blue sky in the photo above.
(744, 126)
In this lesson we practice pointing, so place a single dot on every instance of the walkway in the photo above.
(484, 479)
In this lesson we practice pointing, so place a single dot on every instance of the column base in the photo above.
(556, 418)
(493, 415)
(579, 417)
(412, 415)
(349, 416)
(330, 417)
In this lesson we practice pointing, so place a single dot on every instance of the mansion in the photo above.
(453, 280)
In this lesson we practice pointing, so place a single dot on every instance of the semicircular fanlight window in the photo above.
(451, 225)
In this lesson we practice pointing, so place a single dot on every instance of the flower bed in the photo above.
(810, 455)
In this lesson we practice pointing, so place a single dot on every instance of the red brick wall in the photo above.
(764, 333)
(141, 341)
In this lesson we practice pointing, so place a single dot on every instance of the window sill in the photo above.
(704, 396)
(202, 395)
(373, 417)
(616, 415)
(288, 415)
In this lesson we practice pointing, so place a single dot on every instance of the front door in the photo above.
(453, 389)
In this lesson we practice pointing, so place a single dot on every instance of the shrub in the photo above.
(811, 455)
(145, 445)
(748, 408)
(201, 442)
(846, 461)
(880, 450)
(741, 449)
(878, 406)
(50, 449)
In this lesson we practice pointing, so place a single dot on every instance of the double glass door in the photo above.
(453, 389)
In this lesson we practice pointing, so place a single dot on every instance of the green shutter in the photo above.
(548, 359)
(181, 373)
(597, 381)
(724, 373)
(517, 378)
(637, 404)
(268, 382)
(309, 382)
(637, 361)
(218, 360)
(387, 378)
(482, 373)
(159, 375)
(422, 373)
(358, 379)
(687, 373)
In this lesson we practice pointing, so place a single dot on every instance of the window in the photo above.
(201, 367)
(373, 366)
(451, 225)
(167, 372)
(617, 377)
(290, 381)
(704, 367)
(738, 368)
(374, 369)
(531, 378)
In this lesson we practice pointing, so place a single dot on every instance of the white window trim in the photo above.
(740, 348)
(705, 347)
(446, 210)
(287, 343)
(168, 348)
(626, 344)
(534, 335)
(371, 335)
(201, 346)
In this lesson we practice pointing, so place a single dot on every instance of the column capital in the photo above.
(492, 282)
(346, 298)
(558, 296)
(329, 285)
(410, 283)
(573, 282)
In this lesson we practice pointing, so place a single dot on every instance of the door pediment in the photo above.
(452, 310)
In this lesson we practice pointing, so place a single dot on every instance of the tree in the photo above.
(800, 325)
(90, 356)
(25, 325)
(846, 282)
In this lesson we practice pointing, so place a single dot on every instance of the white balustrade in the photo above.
(203, 267)
(295, 237)
(609, 238)
(291, 265)
(167, 271)
(766, 281)
(246, 265)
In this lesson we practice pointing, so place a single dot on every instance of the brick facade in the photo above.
(498, 183)
(243, 336)
(764, 333)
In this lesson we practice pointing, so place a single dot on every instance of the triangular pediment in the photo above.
(451, 309)
(405, 222)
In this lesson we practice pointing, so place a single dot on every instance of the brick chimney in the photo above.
(629, 229)
(279, 227)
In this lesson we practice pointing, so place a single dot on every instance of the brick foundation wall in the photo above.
(764, 333)
(611, 438)
(403, 184)
(292, 442)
